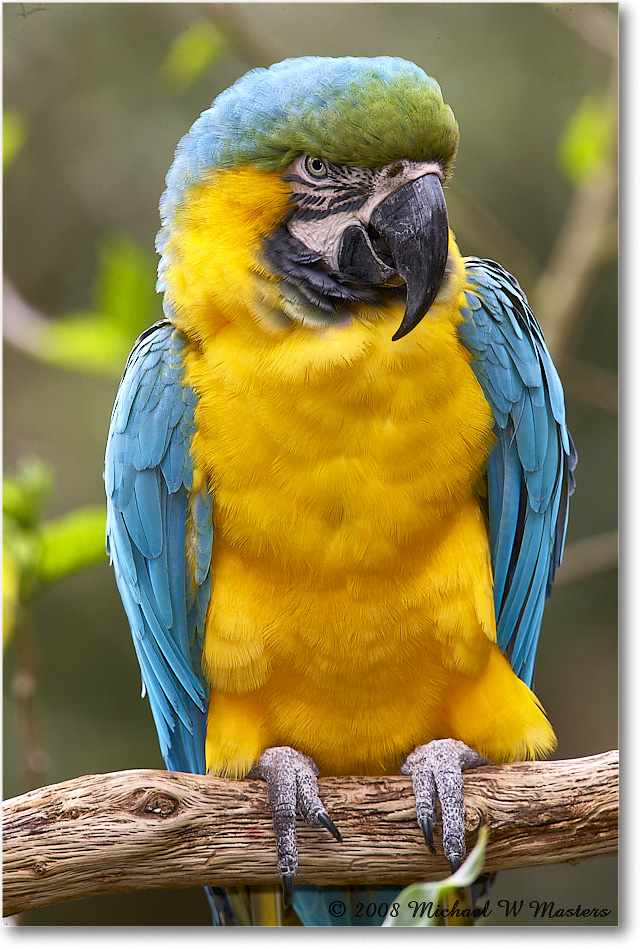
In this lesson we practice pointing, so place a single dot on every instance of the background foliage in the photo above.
(96, 98)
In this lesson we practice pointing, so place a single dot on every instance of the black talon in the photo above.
(325, 820)
(288, 889)
(455, 863)
(426, 827)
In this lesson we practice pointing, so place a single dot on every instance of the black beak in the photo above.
(407, 235)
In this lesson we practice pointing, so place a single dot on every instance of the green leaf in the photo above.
(10, 594)
(22, 547)
(98, 341)
(587, 143)
(24, 494)
(191, 53)
(86, 341)
(23, 497)
(72, 543)
(14, 135)
(417, 903)
(125, 287)
(36, 552)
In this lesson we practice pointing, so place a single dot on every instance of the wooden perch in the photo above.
(127, 831)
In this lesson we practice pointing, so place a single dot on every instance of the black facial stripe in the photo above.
(305, 272)
(311, 211)
(344, 203)
(328, 199)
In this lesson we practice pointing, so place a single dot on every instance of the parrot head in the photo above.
(330, 173)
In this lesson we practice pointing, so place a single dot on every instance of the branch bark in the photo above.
(140, 829)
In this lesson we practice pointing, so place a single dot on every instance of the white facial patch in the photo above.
(321, 228)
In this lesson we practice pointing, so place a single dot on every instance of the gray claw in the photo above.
(436, 770)
(292, 785)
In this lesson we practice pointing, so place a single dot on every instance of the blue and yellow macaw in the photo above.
(338, 472)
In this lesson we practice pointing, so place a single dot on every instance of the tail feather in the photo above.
(246, 906)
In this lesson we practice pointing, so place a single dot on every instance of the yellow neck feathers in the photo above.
(215, 274)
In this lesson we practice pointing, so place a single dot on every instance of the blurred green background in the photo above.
(96, 97)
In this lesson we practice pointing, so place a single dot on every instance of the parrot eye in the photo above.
(315, 167)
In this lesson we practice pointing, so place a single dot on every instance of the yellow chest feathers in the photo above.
(336, 449)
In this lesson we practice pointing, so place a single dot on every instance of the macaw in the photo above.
(338, 471)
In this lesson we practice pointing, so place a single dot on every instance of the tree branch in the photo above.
(134, 830)
(578, 255)
(22, 324)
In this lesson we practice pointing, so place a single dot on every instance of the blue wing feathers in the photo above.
(530, 470)
(165, 589)
(158, 570)
(505, 504)
(143, 514)
(204, 531)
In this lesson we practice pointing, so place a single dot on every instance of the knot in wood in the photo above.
(159, 803)
(474, 818)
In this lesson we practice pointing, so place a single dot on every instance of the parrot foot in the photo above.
(436, 769)
(292, 784)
